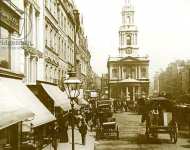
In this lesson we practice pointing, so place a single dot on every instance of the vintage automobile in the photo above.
(161, 118)
(107, 126)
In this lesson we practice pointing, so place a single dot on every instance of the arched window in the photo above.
(128, 40)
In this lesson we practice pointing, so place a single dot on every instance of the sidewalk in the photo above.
(78, 142)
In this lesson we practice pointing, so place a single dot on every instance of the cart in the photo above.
(161, 118)
(107, 126)
(182, 116)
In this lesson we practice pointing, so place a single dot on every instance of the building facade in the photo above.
(174, 81)
(37, 49)
(31, 40)
(128, 73)
(83, 57)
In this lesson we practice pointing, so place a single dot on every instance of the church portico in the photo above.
(128, 91)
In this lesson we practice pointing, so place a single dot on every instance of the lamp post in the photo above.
(72, 86)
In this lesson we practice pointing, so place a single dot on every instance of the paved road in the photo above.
(132, 137)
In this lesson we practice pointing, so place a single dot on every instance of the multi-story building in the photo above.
(128, 73)
(59, 40)
(50, 44)
(83, 57)
(18, 58)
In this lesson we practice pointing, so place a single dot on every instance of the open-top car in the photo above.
(161, 118)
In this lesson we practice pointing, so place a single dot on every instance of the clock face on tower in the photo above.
(128, 51)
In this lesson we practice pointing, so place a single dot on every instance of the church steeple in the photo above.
(128, 31)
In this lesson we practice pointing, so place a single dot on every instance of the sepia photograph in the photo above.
(94, 74)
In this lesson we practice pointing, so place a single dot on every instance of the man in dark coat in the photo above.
(83, 131)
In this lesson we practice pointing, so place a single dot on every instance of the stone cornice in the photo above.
(9, 74)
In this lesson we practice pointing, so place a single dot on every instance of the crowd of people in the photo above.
(83, 120)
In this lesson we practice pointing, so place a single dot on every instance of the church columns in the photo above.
(136, 39)
(120, 72)
(136, 70)
(139, 90)
(139, 71)
(133, 93)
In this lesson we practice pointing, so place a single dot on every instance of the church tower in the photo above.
(128, 33)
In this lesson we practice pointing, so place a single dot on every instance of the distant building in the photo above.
(156, 83)
(175, 80)
(129, 73)
(104, 84)
(83, 56)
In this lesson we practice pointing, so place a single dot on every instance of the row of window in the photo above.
(58, 44)
(65, 24)
(51, 74)
(58, 12)
(84, 67)
(52, 7)
(130, 73)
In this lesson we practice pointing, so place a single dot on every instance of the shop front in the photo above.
(12, 113)
(19, 120)
(62, 108)
(9, 24)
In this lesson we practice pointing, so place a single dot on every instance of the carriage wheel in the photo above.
(147, 133)
(173, 133)
(173, 137)
(117, 132)
(98, 132)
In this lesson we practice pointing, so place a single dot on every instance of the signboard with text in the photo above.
(8, 17)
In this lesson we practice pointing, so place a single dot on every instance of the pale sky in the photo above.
(164, 30)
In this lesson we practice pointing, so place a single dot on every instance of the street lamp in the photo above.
(72, 87)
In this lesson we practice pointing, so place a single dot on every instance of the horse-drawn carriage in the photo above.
(182, 116)
(107, 126)
(161, 118)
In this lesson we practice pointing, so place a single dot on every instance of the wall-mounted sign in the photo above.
(8, 18)
(93, 94)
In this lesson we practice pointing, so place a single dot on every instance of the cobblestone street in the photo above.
(78, 143)
(132, 137)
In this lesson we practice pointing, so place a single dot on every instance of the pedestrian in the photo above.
(83, 131)
(65, 131)
(55, 132)
(90, 124)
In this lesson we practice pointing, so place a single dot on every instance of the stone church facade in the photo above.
(128, 73)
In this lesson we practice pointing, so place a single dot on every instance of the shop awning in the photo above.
(61, 99)
(11, 110)
(28, 100)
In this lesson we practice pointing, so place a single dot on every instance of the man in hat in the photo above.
(83, 130)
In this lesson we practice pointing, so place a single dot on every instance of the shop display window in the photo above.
(4, 48)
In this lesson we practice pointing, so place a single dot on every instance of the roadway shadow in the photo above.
(184, 134)
(186, 146)
(133, 114)
(142, 139)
